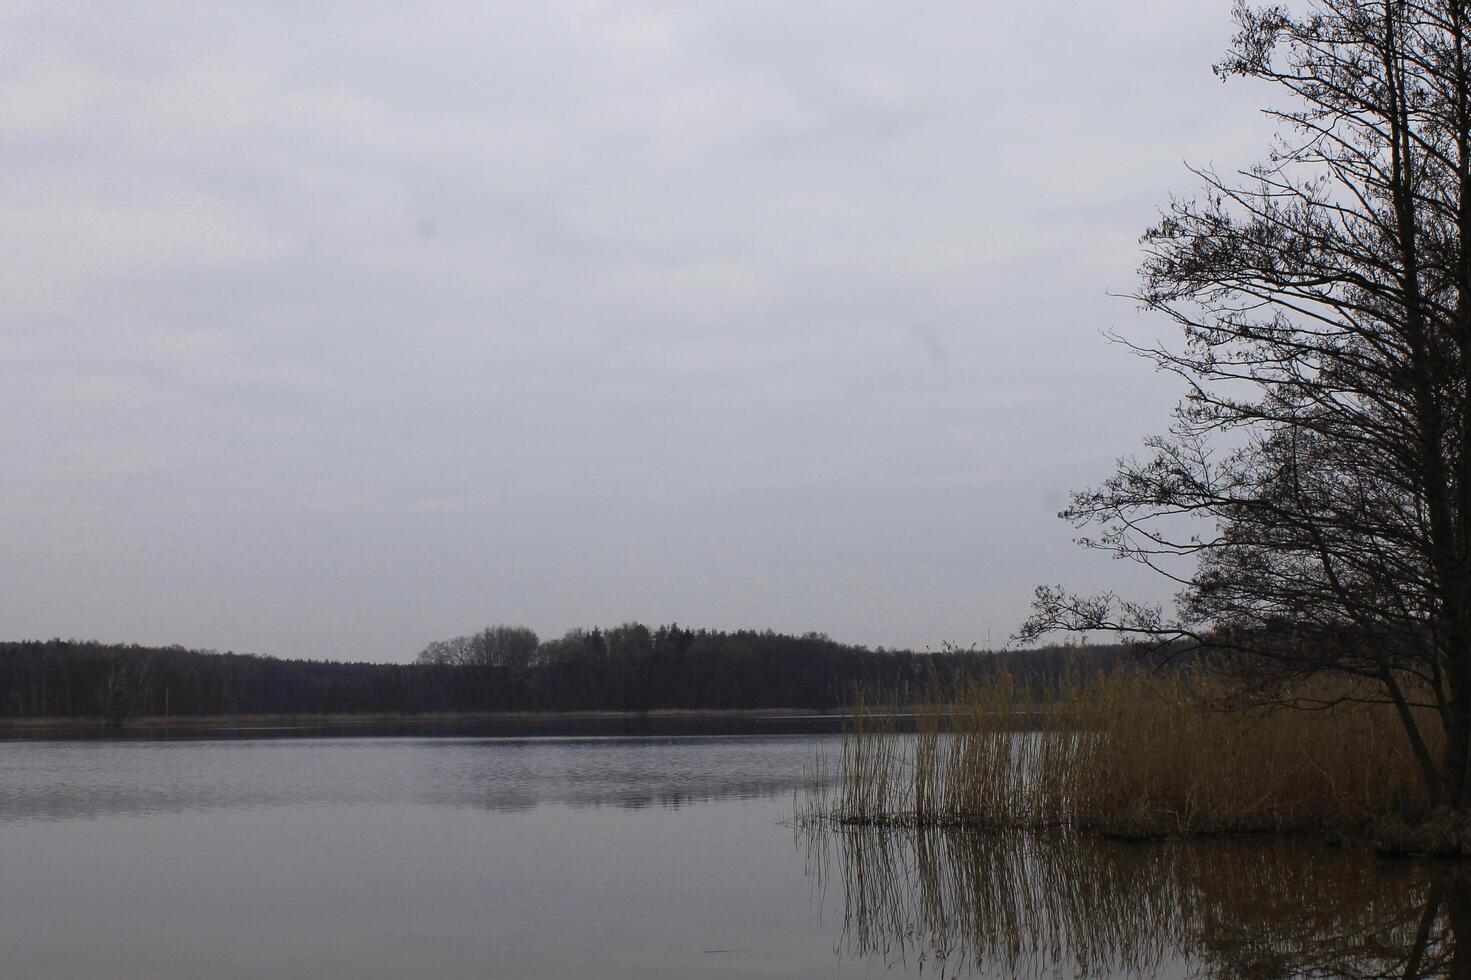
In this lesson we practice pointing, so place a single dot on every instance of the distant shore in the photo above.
(144, 722)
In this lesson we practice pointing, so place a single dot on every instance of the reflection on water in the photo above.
(630, 859)
(85, 779)
(1017, 904)
(363, 858)
(455, 726)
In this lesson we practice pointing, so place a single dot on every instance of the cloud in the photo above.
(330, 328)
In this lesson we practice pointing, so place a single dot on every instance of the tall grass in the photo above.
(1129, 753)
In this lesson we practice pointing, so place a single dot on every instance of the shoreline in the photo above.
(146, 722)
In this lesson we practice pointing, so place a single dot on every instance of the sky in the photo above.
(329, 329)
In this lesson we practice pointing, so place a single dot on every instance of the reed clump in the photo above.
(1128, 753)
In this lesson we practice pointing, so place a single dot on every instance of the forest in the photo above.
(625, 668)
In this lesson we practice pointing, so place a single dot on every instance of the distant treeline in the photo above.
(627, 668)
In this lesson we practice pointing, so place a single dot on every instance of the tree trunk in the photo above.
(1433, 785)
(1457, 732)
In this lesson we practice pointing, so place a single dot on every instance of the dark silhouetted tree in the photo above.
(1313, 494)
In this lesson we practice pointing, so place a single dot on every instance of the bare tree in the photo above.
(122, 685)
(1313, 493)
(494, 646)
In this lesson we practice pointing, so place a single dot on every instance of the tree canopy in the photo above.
(1312, 496)
(501, 668)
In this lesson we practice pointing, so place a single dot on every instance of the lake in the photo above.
(248, 854)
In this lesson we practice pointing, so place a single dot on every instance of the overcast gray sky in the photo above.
(327, 329)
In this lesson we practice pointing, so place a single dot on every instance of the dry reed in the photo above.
(1129, 753)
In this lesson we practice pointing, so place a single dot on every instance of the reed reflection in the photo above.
(957, 904)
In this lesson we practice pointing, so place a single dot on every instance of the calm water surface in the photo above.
(637, 857)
